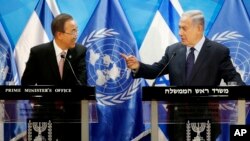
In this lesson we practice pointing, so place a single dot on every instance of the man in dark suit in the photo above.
(196, 61)
(50, 64)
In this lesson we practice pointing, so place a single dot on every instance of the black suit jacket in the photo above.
(42, 67)
(212, 65)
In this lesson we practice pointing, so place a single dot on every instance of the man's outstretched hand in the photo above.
(132, 62)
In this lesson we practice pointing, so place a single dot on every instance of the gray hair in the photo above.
(196, 16)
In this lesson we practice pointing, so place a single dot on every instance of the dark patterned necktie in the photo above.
(189, 64)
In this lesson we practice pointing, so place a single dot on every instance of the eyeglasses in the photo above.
(71, 33)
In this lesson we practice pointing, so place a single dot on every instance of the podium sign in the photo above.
(175, 93)
(47, 92)
(188, 106)
(46, 116)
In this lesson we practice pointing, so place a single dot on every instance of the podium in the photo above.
(184, 94)
(50, 93)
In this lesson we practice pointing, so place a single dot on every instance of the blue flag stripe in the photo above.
(171, 16)
(45, 15)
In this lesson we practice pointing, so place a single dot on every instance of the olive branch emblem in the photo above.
(97, 35)
(226, 35)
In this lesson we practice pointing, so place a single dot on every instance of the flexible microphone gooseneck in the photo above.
(78, 81)
(174, 53)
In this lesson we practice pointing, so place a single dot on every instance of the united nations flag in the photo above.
(232, 29)
(118, 95)
(8, 75)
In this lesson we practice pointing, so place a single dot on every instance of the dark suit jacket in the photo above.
(42, 67)
(212, 65)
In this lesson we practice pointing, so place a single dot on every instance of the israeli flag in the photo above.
(36, 31)
(232, 28)
(119, 107)
(162, 32)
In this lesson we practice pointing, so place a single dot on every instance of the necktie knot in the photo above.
(192, 49)
(63, 54)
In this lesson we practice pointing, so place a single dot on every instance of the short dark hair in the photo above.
(59, 22)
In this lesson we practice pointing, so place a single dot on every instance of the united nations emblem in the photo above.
(239, 51)
(37, 131)
(4, 69)
(198, 131)
(107, 70)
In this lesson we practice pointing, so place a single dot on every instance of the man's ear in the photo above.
(201, 28)
(59, 35)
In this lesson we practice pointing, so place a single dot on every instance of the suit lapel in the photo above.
(66, 68)
(182, 53)
(53, 62)
(200, 59)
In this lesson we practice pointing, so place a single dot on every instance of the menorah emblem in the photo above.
(198, 128)
(39, 127)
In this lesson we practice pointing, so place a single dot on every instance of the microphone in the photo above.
(78, 81)
(174, 53)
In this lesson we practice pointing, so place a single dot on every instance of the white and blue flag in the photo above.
(36, 31)
(162, 32)
(119, 107)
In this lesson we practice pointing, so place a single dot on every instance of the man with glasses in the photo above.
(61, 62)
(45, 61)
